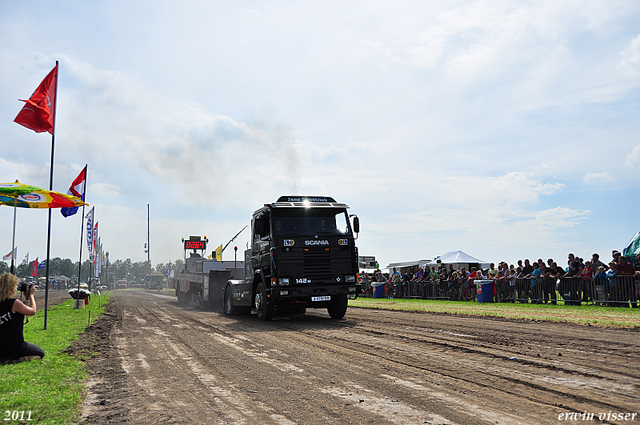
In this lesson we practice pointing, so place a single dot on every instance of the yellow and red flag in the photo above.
(41, 198)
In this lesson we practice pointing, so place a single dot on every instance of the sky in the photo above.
(505, 129)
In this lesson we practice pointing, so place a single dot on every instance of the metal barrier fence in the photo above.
(543, 291)
(616, 291)
(439, 290)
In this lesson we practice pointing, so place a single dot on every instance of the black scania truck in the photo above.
(303, 255)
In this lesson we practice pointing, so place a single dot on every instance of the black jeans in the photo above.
(27, 349)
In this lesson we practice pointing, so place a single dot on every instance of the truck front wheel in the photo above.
(229, 309)
(264, 309)
(338, 307)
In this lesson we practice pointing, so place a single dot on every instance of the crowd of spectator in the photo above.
(538, 281)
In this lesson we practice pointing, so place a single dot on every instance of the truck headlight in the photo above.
(284, 292)
(352, 289)
(350, 279)
(283, 281)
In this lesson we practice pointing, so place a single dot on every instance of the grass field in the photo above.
(582, 315)
(49, 390)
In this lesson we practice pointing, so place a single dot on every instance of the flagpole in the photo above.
(80, 257)
(86, 171)
(13, 240)
(148, 244)
(53, 139)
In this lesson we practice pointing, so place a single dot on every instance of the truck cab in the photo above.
(303, 255)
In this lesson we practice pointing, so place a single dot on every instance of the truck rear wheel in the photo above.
(338, 307)
(264, 309)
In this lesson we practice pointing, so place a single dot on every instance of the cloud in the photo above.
(634, 157)
(25, 173)
(596, 178)
(525, 53)
(454, 202)
(189, 149)
(630, 58)
(103, 189)
(557, 218)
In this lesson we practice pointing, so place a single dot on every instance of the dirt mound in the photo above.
(107, 384)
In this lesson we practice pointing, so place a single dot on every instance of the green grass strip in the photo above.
(49, 390)
(582, 315)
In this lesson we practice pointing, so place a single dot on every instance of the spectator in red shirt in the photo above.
(625, 268)
(587, 272)
(626, 288)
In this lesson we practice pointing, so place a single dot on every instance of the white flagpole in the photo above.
(13, 240)
(86, 171)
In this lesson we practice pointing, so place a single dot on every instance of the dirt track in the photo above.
(55, 297)
(162, 363)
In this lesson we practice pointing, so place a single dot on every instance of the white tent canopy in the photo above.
(406, 264)
(457, 258)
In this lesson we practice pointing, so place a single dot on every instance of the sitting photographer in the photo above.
(12, 312)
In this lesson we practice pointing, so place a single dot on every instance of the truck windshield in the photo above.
(310, 221)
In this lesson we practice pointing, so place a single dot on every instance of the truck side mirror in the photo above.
(356, 224)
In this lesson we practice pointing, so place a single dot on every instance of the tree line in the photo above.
(122, 269)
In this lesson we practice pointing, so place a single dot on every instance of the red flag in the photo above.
(76, 189)
(77, 186)
(34, 268)
(40, 110)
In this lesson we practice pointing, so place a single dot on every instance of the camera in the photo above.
(25, 287)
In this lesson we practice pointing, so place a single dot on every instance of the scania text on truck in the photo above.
(303, 255)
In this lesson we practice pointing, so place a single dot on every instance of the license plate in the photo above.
(324, 298)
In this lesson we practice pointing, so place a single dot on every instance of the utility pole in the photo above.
(148, 244)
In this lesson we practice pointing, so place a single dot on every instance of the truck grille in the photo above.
(316, 263)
